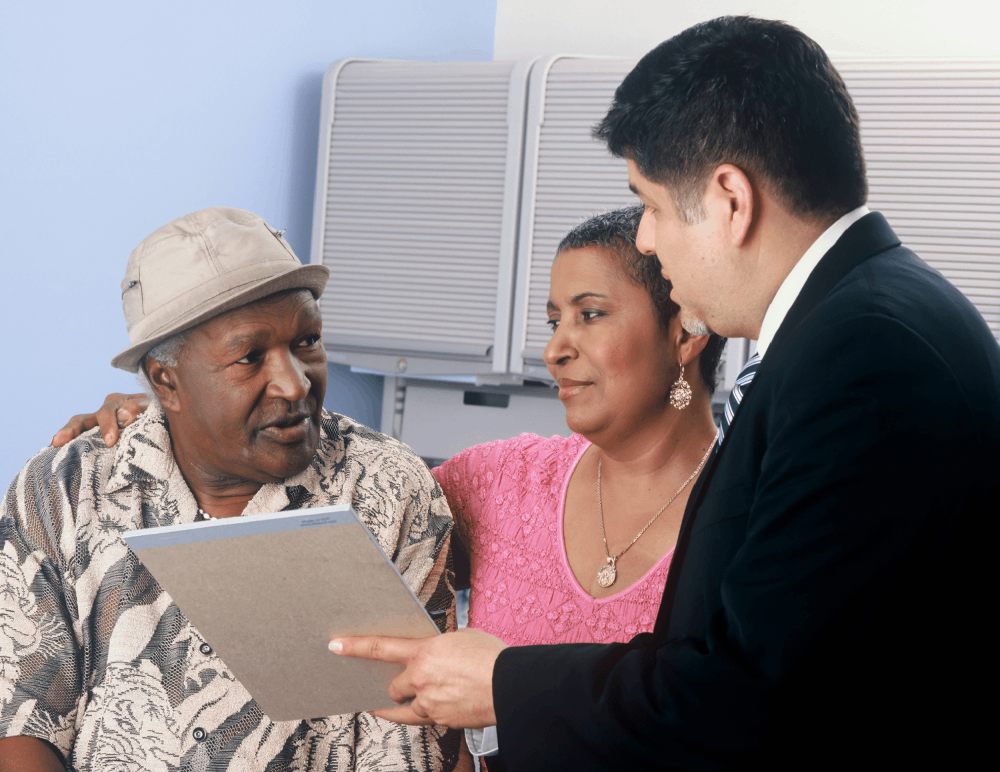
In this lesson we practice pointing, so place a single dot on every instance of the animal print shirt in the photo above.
(98, 661)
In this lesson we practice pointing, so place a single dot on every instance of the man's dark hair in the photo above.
(615, 232)
(752, 92)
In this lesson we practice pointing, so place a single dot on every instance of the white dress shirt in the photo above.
(482, 742)
(797, 277)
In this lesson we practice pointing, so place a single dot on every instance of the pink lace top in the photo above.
(507, 498)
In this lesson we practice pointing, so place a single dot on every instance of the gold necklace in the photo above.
(608, 573)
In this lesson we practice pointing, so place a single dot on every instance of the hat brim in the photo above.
(309, 277)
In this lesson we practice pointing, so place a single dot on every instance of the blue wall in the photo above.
(118, 117)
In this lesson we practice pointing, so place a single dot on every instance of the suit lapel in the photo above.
(867, 237)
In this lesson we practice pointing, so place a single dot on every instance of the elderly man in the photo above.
(98, 668)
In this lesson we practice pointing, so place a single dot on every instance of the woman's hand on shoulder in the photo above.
(117, 412)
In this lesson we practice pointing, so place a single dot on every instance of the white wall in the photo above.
(629, 28)
(120, 115)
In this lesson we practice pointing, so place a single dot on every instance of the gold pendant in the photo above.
(607, 573)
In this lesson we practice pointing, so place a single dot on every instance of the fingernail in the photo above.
(336, 647)
(107, 439)
(123, 417)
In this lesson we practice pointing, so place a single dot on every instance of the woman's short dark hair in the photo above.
(615, 232)
(756, 93)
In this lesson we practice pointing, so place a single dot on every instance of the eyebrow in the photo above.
(576, 300)
(240, 342)
(641, 195)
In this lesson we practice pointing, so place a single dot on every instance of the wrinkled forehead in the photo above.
(283, 312)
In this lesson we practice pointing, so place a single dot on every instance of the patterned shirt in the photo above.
(97, 660)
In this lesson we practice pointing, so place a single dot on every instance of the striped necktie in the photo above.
(736, 396)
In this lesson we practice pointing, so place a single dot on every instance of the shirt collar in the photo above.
(797, 277)
(145, 445)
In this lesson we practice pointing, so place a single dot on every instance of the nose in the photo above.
(645, 240)
(645, 236)
(559, 349)
(288, 378)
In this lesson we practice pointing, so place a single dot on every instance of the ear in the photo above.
(732, 196)
(163, 380)
(687, 345)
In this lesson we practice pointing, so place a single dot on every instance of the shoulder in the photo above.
(899, 283)
(389, 486)
(58, 471)
(895, 316)
(524, 455)
(911, 297)
(891, 351)
(527, 462)
(349, 442)
(361, 438)
(42, 499)
(525, 448)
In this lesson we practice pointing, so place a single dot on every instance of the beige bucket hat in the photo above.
(201, 265)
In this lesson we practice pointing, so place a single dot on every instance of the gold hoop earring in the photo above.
(680, 392)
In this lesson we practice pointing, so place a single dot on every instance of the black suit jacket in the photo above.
(825, 606)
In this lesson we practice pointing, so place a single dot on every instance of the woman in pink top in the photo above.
(570, 538)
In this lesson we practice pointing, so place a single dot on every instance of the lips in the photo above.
(290, 428)
(569, 387)
(288, 420)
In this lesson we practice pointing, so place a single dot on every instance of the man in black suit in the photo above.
(824, 607)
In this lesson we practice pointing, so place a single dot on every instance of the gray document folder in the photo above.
(268, 592)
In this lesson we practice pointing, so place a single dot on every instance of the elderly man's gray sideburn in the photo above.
(167, 353)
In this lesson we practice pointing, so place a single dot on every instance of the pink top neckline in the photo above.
(508, 498)
(570, 576)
